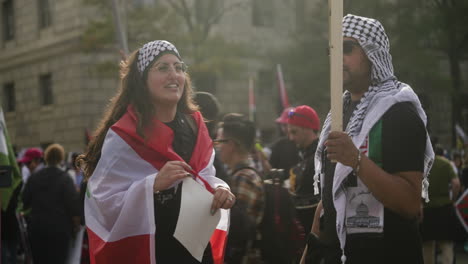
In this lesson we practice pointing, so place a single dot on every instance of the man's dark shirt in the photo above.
(305, 171)
(284, 154)
(51, 195)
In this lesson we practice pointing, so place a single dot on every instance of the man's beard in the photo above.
(351, 83)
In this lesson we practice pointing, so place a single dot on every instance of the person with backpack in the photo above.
(235, 140)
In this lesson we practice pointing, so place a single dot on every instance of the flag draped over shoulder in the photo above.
(119, 206)
(8, 162)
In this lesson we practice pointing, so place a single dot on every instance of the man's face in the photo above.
(32, 165)
(356, 66)
(298, 135)
(224, 146)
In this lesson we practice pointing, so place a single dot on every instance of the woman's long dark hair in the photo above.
(132, 90)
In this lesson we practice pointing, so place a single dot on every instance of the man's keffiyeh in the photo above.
(384, 92)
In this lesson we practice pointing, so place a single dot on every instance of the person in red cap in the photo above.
(303, 130)
(32, 162)
(284, 153)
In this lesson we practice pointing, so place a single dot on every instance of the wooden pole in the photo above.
(335, 8)
(335, 44)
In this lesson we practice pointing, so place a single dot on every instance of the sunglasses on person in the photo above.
(292, 114)
(348, 46)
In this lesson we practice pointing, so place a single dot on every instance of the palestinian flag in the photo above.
(462, 209)
(10, 176)
(119, 206)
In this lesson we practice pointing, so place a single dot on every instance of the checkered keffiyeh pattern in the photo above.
(371, 36)
(152, 50)
(366, 30)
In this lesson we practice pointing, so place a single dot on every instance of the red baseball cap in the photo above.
(283, 118)
(30, 154)
(304, 116)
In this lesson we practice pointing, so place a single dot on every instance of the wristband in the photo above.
(358, 165)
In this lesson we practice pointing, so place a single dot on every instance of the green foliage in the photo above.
(421, 34)
(98, 35)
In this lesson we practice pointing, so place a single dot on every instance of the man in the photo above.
(303, 126)
(439, 217)
(32, 161)
(210, 108)
(284, 153)
(236, 138)
(371, 195)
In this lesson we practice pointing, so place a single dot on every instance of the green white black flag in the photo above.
(8, 164)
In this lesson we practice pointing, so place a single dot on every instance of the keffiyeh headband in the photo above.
(151, 51)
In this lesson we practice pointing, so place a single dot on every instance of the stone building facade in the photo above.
(43, 74)
(50, 92)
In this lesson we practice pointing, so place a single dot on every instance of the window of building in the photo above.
(8, 20)
(46, 94)
(9, 97)
(45, 18)
(262, 13)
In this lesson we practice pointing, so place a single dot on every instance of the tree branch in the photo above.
(216, 17)
(182, 9)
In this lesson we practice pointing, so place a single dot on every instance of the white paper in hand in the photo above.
(195, 224)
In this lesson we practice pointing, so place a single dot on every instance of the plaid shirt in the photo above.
(247, 185)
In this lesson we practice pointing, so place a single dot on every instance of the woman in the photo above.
(51, 195)
(150, 139)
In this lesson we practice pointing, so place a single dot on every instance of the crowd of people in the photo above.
(317, 196)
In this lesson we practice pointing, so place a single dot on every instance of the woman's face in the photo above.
(166, 80)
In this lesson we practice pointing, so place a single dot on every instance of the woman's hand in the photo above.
(223, 198)
(171, 172)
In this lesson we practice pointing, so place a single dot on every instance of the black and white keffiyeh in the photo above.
(151, 51)
(385, 91)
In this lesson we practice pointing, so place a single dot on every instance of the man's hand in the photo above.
(341, 148)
